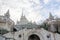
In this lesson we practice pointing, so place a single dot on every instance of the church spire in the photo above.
(51, 16)
(22, 16)
(23, 19)
(7, 14)
(22, 12)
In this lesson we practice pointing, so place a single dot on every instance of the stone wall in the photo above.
(57, 36)
(41, 33)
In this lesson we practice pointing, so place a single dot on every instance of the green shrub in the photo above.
(3, 31)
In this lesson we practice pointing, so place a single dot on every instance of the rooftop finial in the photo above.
(22, 16)
(22, 11)
(7, 14)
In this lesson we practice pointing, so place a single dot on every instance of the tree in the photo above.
(44, 25)
(3, 31)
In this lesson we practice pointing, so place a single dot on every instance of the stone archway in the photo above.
(33, 37)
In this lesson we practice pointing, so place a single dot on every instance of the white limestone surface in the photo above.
(42, 33)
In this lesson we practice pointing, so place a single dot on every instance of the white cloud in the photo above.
(15, 6)
(35, 17)
(57, 0)
(46, 1)
(57, 12)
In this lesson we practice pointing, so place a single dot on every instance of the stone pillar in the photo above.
(59, 29)
(52, 28)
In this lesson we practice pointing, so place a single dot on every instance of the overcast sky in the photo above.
(34, 10)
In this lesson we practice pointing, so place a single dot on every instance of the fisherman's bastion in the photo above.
(25, 30)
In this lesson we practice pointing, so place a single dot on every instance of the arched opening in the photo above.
(33, 37)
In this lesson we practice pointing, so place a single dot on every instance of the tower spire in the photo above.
(51, 16)
(22, 12)
(7, 14)
(23, 19)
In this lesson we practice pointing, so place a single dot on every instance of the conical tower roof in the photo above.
(51, 16)
(23, 20)
(7, 14)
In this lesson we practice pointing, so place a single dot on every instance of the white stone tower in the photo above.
(51, 22)
(23, 20)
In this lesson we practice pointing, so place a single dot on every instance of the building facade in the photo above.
(25, 30)
(5, 21)
(53, 22)
(33, 34)
(24, 23)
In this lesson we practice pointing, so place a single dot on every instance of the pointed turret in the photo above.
(23, 19)
(7, 14)
(22, 16)
(51, 16)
